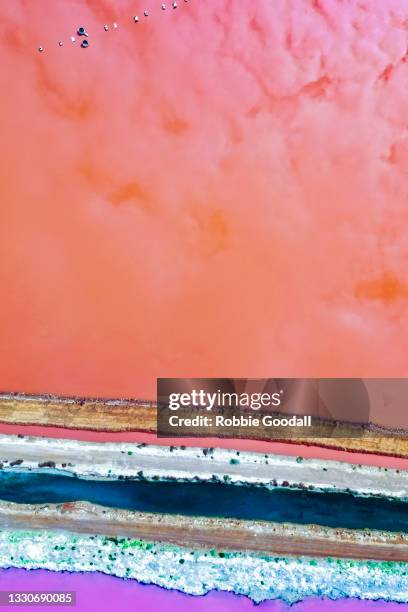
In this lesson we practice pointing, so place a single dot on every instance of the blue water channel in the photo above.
(209, 499)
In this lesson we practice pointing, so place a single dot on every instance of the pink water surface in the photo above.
(219, 190)
(97, 592)
(256, 446)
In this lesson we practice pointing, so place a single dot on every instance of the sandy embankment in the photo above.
(127, 417)
(199, 532)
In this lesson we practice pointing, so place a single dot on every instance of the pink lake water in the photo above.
(256, 446)
(100, 593)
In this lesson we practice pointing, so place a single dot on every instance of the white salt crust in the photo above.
(197, 572)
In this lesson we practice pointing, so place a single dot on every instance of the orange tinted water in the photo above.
(218, 190)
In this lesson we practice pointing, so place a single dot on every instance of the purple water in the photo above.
(100, 593)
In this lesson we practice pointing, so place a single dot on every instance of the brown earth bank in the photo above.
(141, 416)
(200, 532)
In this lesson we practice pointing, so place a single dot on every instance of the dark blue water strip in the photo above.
(212, 500)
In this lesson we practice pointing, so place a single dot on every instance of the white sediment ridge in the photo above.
(108, 460)
(259, 577)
